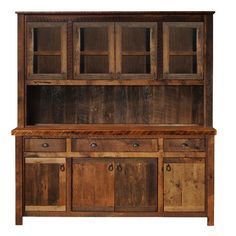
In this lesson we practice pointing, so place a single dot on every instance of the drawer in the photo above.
(45, 145)
(175, 145)
(114, 145)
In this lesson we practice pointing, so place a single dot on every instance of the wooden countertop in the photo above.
(74, 130)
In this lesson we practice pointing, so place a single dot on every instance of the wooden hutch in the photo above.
(115, 114)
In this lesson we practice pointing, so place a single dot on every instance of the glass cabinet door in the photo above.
(136, 50)
(93, 50)
(46, 50)
(183, 50)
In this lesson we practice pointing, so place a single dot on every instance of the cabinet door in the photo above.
(93, 50)
(136, 55)
(46, 50)
(184, 185)
(183, 50)
(136, 185)
(45, 184)
(93, 184)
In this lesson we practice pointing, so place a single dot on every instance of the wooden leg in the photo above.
(19, 180)
(210, 181)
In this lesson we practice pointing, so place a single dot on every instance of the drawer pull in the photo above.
(119, 167)
(93, 145)
(184, 145)
(168, 168)
(110, 167)
(135, 145)
(62, 167)
(45, 145)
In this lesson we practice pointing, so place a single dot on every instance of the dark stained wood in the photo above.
(136, 185)
(114, 145)
(93, 185)
(208, 72)
(210, 180)
(45, 184)
(44, 145)
(19, 181)
(177, 145)
(21, 71)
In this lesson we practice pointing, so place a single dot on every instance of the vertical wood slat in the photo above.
(64, 50)
(19, 180)
(210, 180)
(165, 48)
(69, 51)
(76, 50)
(153, 51)
(21, 71)
(111, 49)
(159, 50)
(68, 183)
(208, 70)
(160, 182)
(200, 50)
(118, 46)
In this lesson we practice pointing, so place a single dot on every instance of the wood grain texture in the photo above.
(184, 186)
(70, 131)
(19, 162)
(210, 180)
(45, 183)
(114, 145)
(93, 185)
(136, 185)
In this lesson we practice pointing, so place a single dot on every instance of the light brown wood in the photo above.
(39, 160)
(184, 187)
(45, 208)
(161, 176)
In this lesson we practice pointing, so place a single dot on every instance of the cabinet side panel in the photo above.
(21, 70)
(208, 67)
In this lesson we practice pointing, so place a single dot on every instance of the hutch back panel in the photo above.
(115, 114)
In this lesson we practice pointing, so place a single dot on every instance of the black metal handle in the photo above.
(62, 167)
(93, 145)
(168, 167)
(45, 145)
(119, 167)
(184, 145)
(110, 167)
(135, 145)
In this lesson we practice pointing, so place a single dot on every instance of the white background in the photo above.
(224, 120)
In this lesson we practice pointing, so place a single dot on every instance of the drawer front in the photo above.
(114, 145)
(45, 145)
(175, 145)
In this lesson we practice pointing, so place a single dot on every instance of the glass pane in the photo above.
(47, 39)
(94, 39)
(183, 39)
(135, 39)
(47, 64)
(183, 64)
(135, 64)
(94, 64)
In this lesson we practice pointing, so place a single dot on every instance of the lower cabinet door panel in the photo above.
(93, 184)
(136, 184)
(184, 186)
(45, 184)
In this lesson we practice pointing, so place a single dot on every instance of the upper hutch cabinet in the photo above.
(136, 52)
(46, 50)
(183, 50)
(94, 50)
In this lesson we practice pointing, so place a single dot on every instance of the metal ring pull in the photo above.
(110, 167)
(168, 167)
(119, 167)
(62, 167)
(45, 145)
